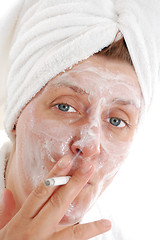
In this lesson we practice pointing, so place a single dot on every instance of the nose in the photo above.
(88, 142)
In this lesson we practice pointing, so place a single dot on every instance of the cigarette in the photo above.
(57, 181)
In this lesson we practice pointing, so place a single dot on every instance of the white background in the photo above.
(134, 196)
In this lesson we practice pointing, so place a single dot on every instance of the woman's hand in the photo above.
(45, 207)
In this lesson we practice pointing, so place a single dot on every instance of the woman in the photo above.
(72, 110)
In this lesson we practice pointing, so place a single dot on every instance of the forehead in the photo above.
(99, 67)
(100, 75)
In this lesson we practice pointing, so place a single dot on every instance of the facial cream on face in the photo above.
(103, 88)
(51, 133)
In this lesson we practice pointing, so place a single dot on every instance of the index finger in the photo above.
(42, 193)
(56, 207)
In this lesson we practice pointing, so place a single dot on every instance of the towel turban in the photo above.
(41, 38)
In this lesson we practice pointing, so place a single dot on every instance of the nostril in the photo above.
(77, 150)
(77, 154)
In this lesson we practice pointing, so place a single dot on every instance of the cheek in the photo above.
(40, 145)
(113, 154)
(56, 139)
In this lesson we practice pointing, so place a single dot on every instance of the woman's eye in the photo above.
(116, 122)
(65, 107)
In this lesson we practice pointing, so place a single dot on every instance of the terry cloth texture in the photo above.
(5, 151)
(41, 38)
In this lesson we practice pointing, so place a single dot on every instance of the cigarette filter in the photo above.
(57, 181)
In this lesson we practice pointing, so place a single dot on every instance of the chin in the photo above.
(79, 207)
(75, 213)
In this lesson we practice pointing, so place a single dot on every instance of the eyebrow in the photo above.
(82, 92)
(72, 87)
(125, 102)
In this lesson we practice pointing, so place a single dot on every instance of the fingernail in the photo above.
(106, 223)
(86, 167)
(64, 162)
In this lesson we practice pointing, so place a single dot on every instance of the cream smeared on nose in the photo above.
(89, 142)
(90, 133)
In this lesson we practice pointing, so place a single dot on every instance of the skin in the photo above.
(46, 133)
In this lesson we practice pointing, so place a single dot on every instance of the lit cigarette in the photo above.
(57, 181)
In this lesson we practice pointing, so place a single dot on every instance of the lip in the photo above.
(86, 185)
(71, 172)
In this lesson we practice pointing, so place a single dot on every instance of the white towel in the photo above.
(45, 37)
(5, 152)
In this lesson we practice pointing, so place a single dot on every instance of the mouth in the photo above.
(89, 183)
(72, 169)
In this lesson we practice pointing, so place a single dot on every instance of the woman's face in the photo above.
(93, 107)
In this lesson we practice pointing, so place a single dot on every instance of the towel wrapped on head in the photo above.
(41, 38)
